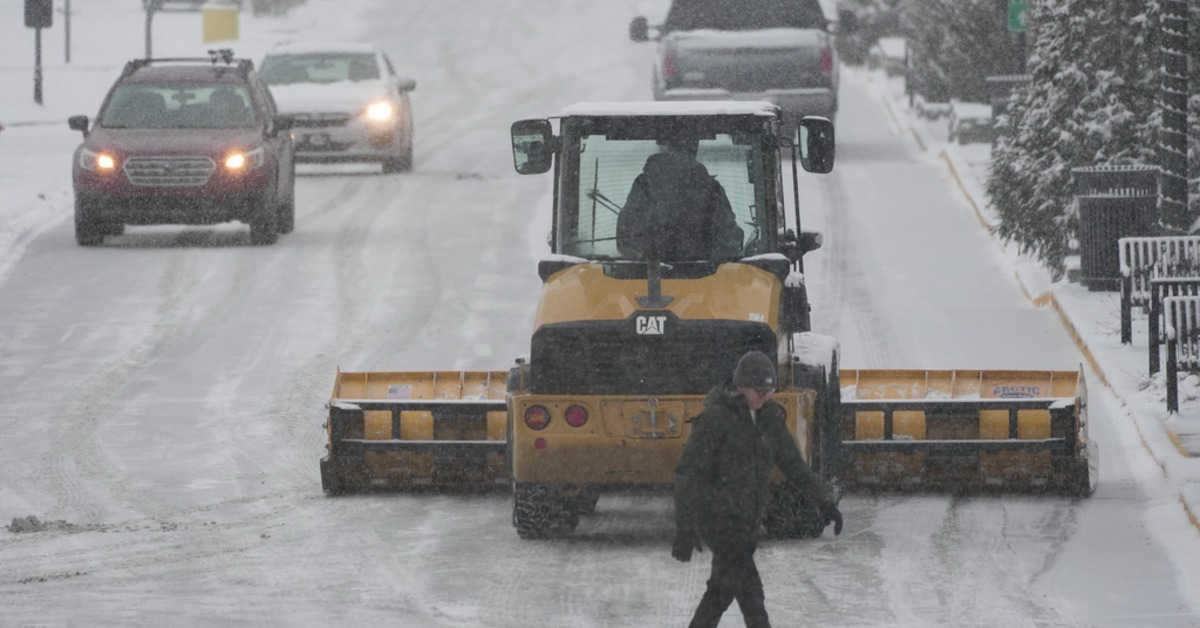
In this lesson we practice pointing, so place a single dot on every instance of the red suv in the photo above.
(185, 141)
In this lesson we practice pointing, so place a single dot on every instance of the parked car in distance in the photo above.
(969, 122)
(185, 141)
(348, 103)
(890, 55)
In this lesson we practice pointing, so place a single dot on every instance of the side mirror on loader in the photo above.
(816, 144)
(639, 29)
(533, 146)
(795, 248)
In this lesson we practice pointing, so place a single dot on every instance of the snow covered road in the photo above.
(164, 393)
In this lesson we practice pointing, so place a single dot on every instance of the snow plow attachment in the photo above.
(966, 431)
(435, 429)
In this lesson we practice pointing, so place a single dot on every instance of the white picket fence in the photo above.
(1144, 258)
(1182, 329)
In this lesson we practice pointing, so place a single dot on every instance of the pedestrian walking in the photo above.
(722, 487)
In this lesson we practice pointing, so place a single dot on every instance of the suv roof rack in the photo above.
(222, 55)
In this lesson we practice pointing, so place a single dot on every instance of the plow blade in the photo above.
(416, 429)
(966, 431)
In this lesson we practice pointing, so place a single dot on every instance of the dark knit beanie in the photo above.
(754, 370)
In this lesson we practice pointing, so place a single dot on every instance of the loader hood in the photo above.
(600, 292)
(592, 335)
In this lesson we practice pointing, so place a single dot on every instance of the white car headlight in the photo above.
(249, 160)
(381, 111)
(91, 160)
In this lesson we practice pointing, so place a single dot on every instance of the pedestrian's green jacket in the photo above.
(722, 479)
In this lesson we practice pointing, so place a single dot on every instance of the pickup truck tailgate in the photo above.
(748, 61)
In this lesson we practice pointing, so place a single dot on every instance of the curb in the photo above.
(1048, 298)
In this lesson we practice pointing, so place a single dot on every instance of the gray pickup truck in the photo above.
(780, 52)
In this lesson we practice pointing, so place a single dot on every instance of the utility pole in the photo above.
(67, 31)
(152, 7)
(39, 14)
(1018, 24)
(1173, 147)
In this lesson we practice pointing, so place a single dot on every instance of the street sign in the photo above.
(1018, 15)
(39, 13)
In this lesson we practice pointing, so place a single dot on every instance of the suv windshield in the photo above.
(179, 106)
(686, 15)
(287, 69)
(610, 168)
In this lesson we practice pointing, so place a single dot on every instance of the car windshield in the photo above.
(288, 69)
(600, 169)
(179, 106)
(748, 15)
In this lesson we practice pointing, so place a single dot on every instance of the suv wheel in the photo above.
(88, 232)
(403, 160)
(287, 207)
(264, 226)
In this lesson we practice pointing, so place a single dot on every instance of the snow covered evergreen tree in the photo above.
(955, 45)
(1194, 115)
(1093, 100)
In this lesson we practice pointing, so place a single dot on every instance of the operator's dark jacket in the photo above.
(721, 481)
(677, 206)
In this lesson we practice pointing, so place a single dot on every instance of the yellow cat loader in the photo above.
(627, 341)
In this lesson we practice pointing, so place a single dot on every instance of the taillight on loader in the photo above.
(537, 418)
(577, 416)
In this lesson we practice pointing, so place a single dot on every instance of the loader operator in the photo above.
(722, 489)
(676, 210)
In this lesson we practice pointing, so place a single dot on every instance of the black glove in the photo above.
(830, 514)
(685, 542)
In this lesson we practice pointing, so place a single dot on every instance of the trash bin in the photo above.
(220, 20)
(1114, 202)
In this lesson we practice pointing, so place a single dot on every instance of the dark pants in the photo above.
(734, 577)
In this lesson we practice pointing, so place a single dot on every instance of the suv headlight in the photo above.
(94, 161)
(381, 111)
(245, 160)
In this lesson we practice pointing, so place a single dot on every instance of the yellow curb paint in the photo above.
(892, 114)
(1191, 515)
(918, 138)
(896, 121)
(954, 173)
(1048, 298)
(1087, 355)
(1178, 442)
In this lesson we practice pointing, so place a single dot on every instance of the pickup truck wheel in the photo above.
(88, 232)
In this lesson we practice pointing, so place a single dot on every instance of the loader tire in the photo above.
(585, 502)
(540, 513)
(789, 516)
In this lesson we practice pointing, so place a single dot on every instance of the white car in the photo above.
(348, 103)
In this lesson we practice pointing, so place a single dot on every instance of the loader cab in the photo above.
(602, 149)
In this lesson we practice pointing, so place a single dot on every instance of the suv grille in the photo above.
(322, 120)
(609, 358)
(169, 171)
